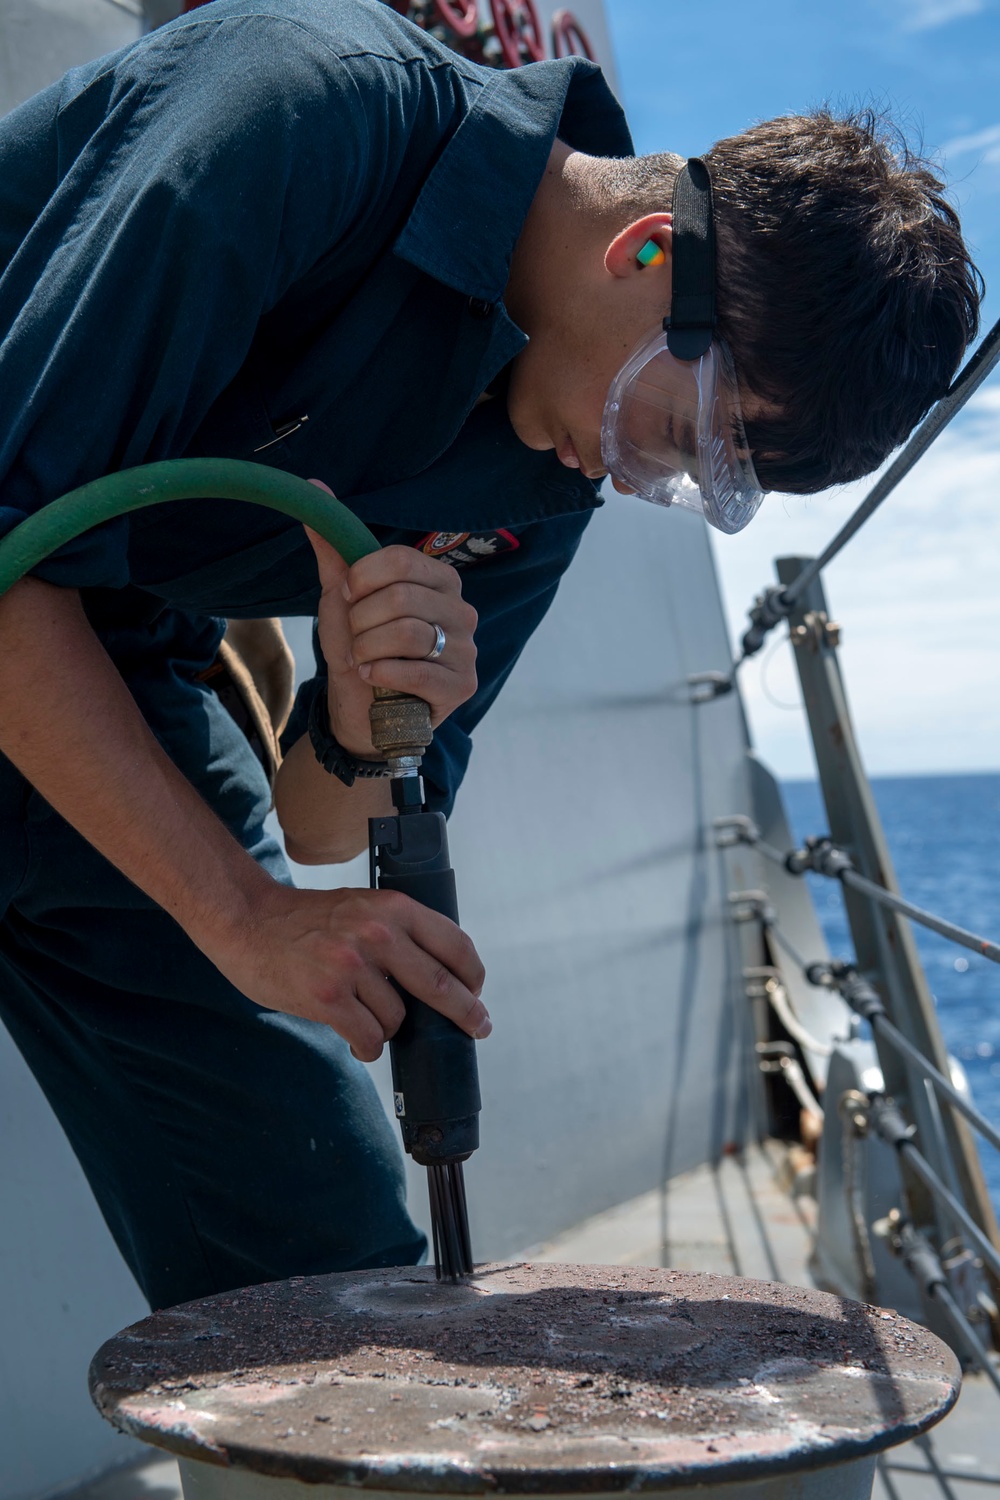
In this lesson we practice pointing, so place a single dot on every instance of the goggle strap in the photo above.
(691, 324)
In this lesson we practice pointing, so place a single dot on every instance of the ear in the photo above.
(621, 256)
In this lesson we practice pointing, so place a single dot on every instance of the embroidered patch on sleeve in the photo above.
(460, 548)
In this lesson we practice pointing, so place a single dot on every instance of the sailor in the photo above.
(303, 232)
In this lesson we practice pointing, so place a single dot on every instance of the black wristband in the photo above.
(330, 752)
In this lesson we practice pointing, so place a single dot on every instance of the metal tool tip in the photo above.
(449, 1222)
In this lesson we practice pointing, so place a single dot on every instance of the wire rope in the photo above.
(777, 601)
(822, 857)
(931, 1180)
(858, 993)
(981, 365)
(974, 1344)
(882, 1024)
(985, 947)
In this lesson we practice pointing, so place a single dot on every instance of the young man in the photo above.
(304, 233)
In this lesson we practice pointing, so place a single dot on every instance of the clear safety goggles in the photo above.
(672, 429)
(673, 433)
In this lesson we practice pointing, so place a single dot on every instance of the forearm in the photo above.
(324, 821)
(70, 725)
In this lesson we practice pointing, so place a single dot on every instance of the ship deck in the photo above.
(748, 1215)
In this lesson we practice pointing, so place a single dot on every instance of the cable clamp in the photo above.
(859, 993)
(760, 982)
(888, 1121)
(736, 829)
(822, 856)
(817, 630)
(854, 1107)
(752, 906)
(820, 975)
(914, 1249)
(707, 686)
(769, 609)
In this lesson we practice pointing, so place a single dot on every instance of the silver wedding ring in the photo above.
(439, 643)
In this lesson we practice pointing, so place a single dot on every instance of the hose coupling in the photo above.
(401, 729)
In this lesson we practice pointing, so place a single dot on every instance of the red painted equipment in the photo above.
(569, 38)
(518, 30)
(461, 16)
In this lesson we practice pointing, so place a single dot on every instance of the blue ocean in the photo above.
(944, 835)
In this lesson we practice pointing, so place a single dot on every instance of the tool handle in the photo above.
(435, 1074)
(400, 724)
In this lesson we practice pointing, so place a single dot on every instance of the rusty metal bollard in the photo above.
(552, 1380)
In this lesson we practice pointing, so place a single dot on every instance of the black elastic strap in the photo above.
(691, 324)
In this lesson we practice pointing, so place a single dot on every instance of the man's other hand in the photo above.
(330, 956)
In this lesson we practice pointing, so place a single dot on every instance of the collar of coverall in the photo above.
(494, 162)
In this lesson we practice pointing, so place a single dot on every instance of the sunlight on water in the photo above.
(944, 835)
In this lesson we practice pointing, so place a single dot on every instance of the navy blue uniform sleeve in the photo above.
(182, 187)
(512, 594)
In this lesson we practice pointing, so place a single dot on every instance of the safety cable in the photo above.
(973, 1343)
(821, 856)
(926, 1269)
(985, 947)
(755, 905)
(769, 922)
(968, 381)
(843, 977)
(891, 1127)
(778, 601)
(886, 1117)
(739, 829)
(866, 1003)
(933, 1471)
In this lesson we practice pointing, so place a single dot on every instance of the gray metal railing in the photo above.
(913, 1247)
(883, 1114)
(941, 1179)
(778, 601)
(861, 996)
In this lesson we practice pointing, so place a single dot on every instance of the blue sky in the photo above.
(919, 591)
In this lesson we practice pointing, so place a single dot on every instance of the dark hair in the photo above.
(846, 292)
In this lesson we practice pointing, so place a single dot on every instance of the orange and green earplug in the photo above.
(651, 254)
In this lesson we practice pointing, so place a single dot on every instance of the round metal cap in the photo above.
(527, 1379)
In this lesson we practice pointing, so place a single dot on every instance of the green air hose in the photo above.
(179, 479)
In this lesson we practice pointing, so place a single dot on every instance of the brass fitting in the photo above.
(400, 725)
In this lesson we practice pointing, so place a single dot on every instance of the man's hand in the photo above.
(324, 955)
(376, 627)
(330, 956)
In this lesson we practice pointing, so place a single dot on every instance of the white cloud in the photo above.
(917, 592)
(978, 142)
(924, 15)
(986, 143)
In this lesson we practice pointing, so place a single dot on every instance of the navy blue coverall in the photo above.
(258, 215)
